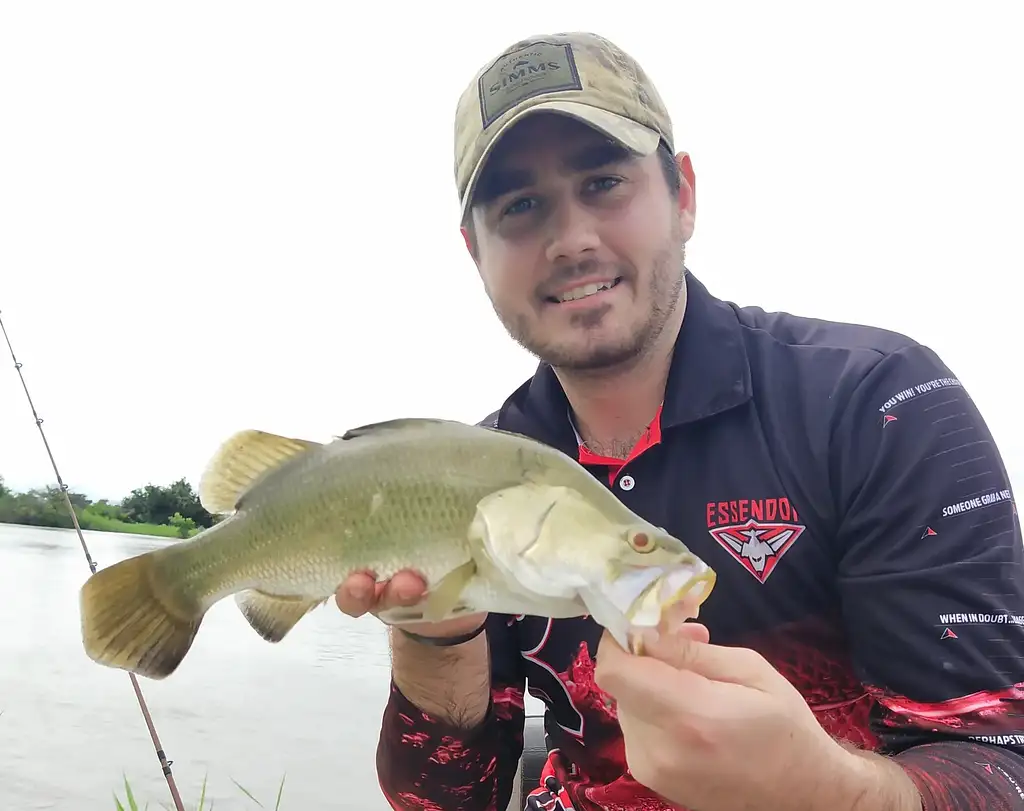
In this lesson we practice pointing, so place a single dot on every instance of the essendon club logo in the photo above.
(758, 545)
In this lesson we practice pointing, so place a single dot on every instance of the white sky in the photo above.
(223, 215)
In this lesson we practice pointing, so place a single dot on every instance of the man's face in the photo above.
(579, 244)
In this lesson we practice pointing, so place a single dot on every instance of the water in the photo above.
(237, 707)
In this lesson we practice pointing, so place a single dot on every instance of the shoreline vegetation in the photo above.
(171, 511)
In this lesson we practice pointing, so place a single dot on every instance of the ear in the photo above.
(468, 231)
(687, 195)
(468, 237)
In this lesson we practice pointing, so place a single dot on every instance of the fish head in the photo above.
(652, 571)
(648, 572)
(552, 541)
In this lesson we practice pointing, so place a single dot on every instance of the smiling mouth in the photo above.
(583, 291)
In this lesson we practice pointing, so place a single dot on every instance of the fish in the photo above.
(494, 521)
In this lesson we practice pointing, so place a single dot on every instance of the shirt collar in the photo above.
(709, 374)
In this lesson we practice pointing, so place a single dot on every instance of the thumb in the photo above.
(640, 639)
(687, 648)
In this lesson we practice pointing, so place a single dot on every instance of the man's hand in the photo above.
(361, 594)
(719, 729)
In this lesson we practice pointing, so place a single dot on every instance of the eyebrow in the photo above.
(498, 181)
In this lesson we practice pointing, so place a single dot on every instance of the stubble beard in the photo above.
(606, 356)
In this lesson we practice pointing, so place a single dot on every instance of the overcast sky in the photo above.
(224, 215)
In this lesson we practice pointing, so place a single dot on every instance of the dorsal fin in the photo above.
(240, 461)
(398, 424)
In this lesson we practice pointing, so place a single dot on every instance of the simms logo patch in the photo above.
(539, 68)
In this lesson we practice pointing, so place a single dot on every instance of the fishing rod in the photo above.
(165, 764)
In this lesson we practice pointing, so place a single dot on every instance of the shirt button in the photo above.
(627, 482)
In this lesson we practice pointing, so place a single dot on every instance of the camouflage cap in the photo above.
(580, 74)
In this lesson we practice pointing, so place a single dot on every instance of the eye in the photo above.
(641, 542)
(517, 207)
(604, 183)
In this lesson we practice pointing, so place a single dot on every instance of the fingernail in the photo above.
(406, 591)
(360, 591)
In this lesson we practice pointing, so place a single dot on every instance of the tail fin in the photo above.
(126, 624)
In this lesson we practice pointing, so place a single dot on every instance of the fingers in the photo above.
(356, 595)
(687, 651)
(646, 686)
(679, 614)
(361, 593)
(673, 623)
(686, 646)
(677, 660)
(405, 588)
(693, 631)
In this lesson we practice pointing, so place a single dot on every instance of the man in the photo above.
(863, 645)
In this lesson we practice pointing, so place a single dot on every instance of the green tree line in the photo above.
(173, 511)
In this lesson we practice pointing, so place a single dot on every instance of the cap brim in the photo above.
(632, 135)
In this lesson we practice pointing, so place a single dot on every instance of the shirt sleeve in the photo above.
(428, 765)
(931, 581)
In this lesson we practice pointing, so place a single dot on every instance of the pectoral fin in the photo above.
(272, 616)
(443, 601)
(444, 596)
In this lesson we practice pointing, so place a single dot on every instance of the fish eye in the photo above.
(641, 542)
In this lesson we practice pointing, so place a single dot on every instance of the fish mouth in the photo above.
(643, 595)
(690, 585)
(640, 596)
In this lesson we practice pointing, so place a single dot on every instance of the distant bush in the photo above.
(173, 511)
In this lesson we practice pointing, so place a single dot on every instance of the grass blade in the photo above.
(280, 791)
(246, 792)
(134, 806)
(202, 796)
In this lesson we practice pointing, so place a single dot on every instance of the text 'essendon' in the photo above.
(741, 510)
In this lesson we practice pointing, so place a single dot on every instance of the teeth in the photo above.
(584, 291)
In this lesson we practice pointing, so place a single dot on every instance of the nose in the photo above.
(573, 234)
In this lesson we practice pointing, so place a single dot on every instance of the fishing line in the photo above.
(165, 764)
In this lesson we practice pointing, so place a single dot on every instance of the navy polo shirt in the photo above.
(848, 494)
